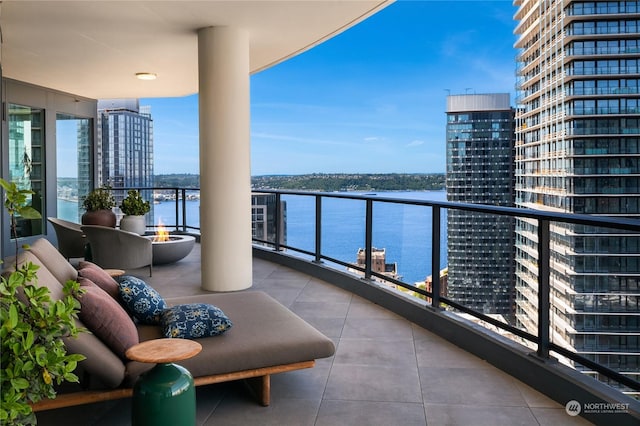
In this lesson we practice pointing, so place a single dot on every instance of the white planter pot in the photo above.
(135, 224)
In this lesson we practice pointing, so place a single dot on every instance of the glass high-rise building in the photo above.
(263, 218)
(480, 170)
(578, 151)
(125, 145)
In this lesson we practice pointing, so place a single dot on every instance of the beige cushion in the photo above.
(105, 318)
(45, 277)
(54, 261)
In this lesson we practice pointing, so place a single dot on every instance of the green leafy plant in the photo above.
(99, 199)
(15, 202)
(134, 204)
(33, 358)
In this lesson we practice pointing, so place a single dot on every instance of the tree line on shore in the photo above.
(324, 182)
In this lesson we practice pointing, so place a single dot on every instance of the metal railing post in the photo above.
(184, 210)
(435, 257)
(543, 288)
(318, 250)
(368, 239)
(278, 219)
(176, 192)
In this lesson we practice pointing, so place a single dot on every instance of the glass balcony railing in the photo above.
(552, 294)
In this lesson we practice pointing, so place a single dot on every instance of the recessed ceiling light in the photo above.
(146, 76)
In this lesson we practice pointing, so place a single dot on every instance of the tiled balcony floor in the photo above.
(386, 370)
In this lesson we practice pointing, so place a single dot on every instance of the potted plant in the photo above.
(134, 208)
(33, 357)
(98, 205)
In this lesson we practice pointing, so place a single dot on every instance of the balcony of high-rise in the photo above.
(399, 359)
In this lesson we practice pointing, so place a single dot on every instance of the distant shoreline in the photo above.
(323, 182)
(345, 182)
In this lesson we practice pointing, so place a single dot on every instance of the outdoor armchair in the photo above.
(71, 239)
(116, 249)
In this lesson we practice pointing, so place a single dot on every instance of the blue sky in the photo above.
(371, 100)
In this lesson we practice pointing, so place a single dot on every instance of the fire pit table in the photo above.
(171, 249)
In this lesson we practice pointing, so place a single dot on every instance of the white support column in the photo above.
(225, 160)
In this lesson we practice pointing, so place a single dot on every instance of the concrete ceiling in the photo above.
(95, 48)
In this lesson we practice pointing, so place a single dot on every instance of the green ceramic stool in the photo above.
(164, 395)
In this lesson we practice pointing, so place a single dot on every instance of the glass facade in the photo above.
(577, 132)
(26, 162)
(125, 132)
(263, 218)
(480, 141)
(74, 136)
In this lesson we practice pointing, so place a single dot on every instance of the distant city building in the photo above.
(263, 222)
(578, 151)
(84, 177)
(444, 284)
(378, 264)
(124, 145)
(480, 170)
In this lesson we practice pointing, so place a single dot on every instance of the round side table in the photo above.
(115, 272)
(164, 395)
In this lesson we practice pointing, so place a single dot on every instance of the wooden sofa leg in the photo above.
(261, 388)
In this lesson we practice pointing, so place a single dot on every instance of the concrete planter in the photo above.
(135, 224)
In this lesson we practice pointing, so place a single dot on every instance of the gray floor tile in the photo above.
(234, 411)
(438, 352)
(320, 309)
(557, 416)
(280, 283)
(367, 383)
(370, 310)
(375, 352)
(318, 291)
(207, 400)
(535, 398)
(303, 384)
(465, 415)
(350, 413)
(106, 413)
(397, 329)
(469, 386)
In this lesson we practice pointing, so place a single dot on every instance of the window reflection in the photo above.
(26, 161)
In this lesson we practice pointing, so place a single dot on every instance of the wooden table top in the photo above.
(163, 350)
(115, 272)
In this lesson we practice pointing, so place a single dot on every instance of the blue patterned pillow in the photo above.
(194, 320)
(141, 300)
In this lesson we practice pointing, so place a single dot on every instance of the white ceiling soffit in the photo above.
(95, 48)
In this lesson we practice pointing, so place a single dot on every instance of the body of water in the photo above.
(403, 231)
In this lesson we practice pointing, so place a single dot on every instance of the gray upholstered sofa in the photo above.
(265, 338)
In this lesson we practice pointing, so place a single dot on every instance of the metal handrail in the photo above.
(179, 197)
(544, 218)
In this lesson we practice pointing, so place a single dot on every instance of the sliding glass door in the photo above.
(73, 163)
(26, 162)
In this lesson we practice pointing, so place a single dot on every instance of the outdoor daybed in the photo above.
(265, 338)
